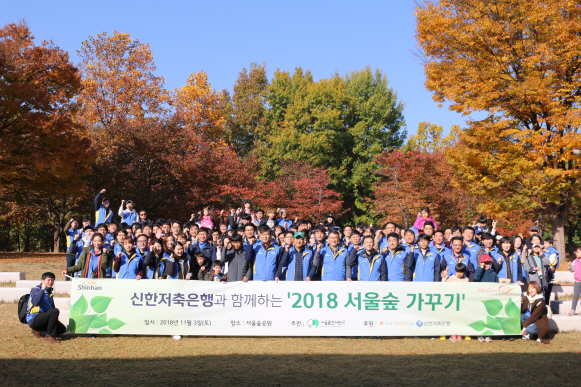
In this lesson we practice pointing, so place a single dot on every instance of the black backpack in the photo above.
(23, 308)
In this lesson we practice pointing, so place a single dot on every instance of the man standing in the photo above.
(42, 317)
(103, 213)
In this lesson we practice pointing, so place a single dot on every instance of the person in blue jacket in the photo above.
(128, 265)
(409, 238)
(552, 253)
(423, 264)
(73, 234)
(451, 258)
(370, 263)
(265, 257)
(485, 273)
(204, 245)
(395, 259)
(471, 248)
(299, 266)
(332, 259)
(283, 221)
(439, 243)
(42, 316)
(129, 215)
(510, 268)
(103, 213)
(355, 244)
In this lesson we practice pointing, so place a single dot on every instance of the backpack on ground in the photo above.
(23, 308)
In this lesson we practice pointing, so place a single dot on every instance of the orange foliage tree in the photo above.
(518, 62)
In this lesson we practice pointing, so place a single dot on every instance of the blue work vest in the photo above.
(265, 261)
(367, 271)
(452, 261)
(129, 267)
(425, 270)
(333, 268)
(395, 265)
(288, 273)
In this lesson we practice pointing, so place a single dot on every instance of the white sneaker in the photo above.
(538, 340)
(526, 337)
(481, 339)
(177, 337)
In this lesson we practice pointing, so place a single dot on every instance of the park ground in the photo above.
(233, 361)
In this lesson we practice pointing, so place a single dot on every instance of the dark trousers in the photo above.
(548, 295)
(48, 324)
(70, 262)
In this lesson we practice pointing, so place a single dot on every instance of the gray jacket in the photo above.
(238, 267)
(530, 265)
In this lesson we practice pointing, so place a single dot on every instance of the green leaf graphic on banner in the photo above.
(487, 333)
(511, 309)
(81, 324)
(100, 303)
(493, 323)
(115, 323)
(510, 325)
(80, 307)
(493, 307)
(105, 331)
(477, 325)
(99, 321)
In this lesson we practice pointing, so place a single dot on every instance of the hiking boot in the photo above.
(36, 334)
(51, 340)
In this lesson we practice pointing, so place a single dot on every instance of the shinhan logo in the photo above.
(420, 323)
(313, 323)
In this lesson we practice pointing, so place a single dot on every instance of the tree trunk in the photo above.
(56, 239)
(558, 215)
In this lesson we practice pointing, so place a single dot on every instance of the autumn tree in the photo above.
(245, 110)
(429, 138)
(410, 180)
(518, 62)
(43, 153)
(118, 82)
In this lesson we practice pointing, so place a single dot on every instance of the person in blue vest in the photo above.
(128, 215)
(79, 244)
(395, 259)
(552, 253)
(283, 221)
(204, 245)
(347, 231)
(42, 316)
(510, 268)
(471, 248)
(152, 261)
(409, 238)
(439, 243)
(383, 242)
(265, 257)
(370, 264)
(128, 265)
(299, 266)
(103, 213)
(451, 258)
(332, 259)
(423, 264)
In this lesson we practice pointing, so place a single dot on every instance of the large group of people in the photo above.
(248, 244)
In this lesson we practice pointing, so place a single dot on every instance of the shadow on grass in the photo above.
(483, 369)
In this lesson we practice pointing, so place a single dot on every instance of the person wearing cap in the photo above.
(484, 273)
(299, 266)
(482, 223)
(330, 222)
(103, 213)
(536, 264)
(129, 215)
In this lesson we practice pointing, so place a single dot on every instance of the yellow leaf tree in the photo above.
(518, 62)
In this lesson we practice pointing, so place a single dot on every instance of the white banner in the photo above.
(178, 307)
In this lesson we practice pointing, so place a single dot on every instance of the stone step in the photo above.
(12, 294)
(564, 276)
(563, 307)
(561, 290)
(59, 286)
(12, 276)
(564, 323)
(62, 303)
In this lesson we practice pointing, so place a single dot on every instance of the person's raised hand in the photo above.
(103, 191)
(286, 247)
(138, 277)
(42, 285)
(65, 272)
(189, 276)
(122, 202)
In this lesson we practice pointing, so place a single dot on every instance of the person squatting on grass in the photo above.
(42, 316)
(245, 245)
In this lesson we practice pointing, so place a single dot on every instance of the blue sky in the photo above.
(221, 37)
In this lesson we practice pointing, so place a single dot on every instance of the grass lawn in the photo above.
(225, 361)
(34, 264)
